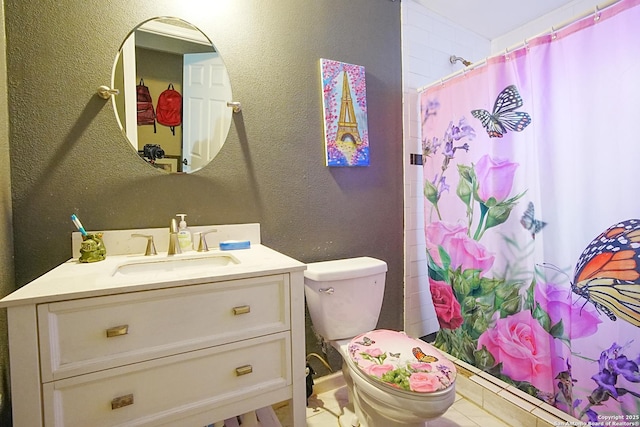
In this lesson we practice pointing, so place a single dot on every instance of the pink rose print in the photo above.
(469, 254)
(373, 352)
(523, 347)
(378, 370)
(423, 382)
(421, 366)
(579, 320)
(441, 232)
(463, 250)
(446, 305)
(495, 178)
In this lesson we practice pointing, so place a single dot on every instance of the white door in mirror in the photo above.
(206, 91)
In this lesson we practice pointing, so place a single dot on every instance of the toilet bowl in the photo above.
(392, 379)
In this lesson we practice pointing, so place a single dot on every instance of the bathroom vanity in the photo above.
(187, 340)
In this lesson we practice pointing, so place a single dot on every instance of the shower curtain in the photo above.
(532, 215)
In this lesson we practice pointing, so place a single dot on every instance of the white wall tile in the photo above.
(428, 42)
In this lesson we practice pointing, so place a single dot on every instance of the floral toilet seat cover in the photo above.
(400, 361)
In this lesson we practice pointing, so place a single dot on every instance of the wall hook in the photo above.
(235, 105)
(105, 92)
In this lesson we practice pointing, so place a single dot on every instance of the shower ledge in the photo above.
(506, 401)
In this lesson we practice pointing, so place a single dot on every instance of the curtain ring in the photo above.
(553, 33)
(596, 16)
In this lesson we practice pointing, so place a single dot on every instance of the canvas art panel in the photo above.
(344, 101)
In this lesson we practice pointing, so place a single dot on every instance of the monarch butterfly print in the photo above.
(608, 272)
(422, 357)
(503, 116)
(530, 223)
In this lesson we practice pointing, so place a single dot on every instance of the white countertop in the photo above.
(73, 280)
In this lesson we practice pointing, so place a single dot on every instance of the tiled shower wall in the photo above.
(428, 40)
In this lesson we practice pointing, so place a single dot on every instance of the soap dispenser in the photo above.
(184, 234)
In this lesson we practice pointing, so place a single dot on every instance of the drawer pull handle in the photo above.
(243, 309)
(117, 331)
(244, 370)
(122, 401)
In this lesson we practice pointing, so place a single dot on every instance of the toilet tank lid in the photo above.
(343, 269)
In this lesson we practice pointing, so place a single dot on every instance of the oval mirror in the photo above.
(169, 54)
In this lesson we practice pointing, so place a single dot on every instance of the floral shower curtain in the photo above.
(532, 214)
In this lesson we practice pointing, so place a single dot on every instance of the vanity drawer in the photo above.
(91, 334)
(174, 387)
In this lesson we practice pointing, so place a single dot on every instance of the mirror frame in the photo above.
(206, 119)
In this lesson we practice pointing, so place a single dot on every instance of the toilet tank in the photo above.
(344, 296)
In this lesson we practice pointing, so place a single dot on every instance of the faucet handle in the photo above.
(151, 247)
(202, 246)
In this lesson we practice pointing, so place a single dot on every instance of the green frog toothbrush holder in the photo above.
(92, 248)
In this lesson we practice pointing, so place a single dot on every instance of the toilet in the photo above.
(392, 379)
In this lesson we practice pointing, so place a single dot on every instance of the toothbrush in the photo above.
(78, 224)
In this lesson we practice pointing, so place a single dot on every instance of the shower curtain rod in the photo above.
(599, 8)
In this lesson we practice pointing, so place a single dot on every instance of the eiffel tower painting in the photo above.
(345, 114)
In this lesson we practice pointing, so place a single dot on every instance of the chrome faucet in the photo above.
(174, 245)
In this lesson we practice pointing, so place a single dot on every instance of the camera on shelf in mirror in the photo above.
(151, 152)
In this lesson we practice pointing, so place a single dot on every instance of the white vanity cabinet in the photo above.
(187, 352)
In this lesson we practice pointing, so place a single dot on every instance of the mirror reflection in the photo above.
(174, 93)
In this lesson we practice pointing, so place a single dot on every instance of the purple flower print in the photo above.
(455, 133)
(433, 189)
(463, 130)
(442, 185)
(606, 381)
(431, 109)
(430, 146)
(611, 365)
(558, 301)
(593, 417)
(625, 367)
(495, 178)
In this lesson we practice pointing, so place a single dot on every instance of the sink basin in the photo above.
(184, 265)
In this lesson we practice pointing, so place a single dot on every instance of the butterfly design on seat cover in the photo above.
(530, 223)
(504, 115)
(608, 272)
(422, 357)
(366, 341)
